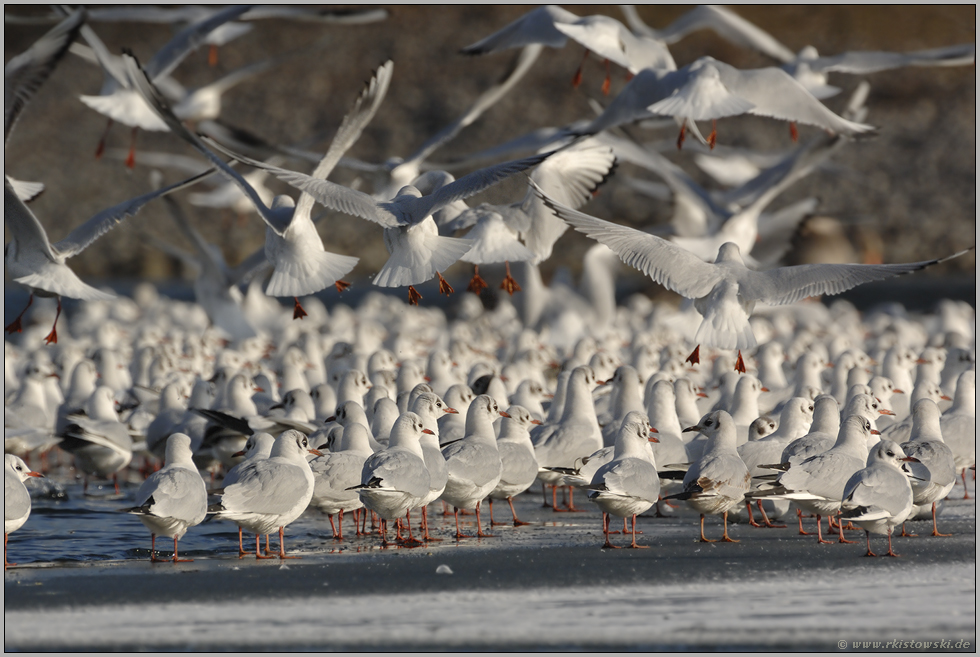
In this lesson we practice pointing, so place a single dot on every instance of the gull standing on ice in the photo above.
(934, 472)
(879, 497)
(271, 493)
(174, 498)
(718, 481)
(628, 485)
(16, 498)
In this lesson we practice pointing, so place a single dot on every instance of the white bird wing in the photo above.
(864, 62)
(778, 95)
(726, 24)
(790, 284)
(326, 193)
(82, 236)
(470, 184)
(877, 492)
(667, 264)
(630, 477)
(177, 493)
(24, 226)
(536, 26)
(151, 95)
(188, 40)
(24, 74)
(270, 486)
(16, 499)
(363, 110)
(109, 434)
(26, 191)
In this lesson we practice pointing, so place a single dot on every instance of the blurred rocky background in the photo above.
(910, 192)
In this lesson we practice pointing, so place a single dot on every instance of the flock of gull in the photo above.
(260, 413)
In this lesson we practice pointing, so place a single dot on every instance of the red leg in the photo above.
(703, 539)
(241, 548)
(16, 327)
(725, 537)
(554, 501)
(492, 523)
(820, 531)
(571, 502)
(258, 550)
(840, 533)
(680, 137)
(794, 134)
(5, 562)
(605, 530)
(765, 518)
(176, 560)
(607, 83)
(459, 534)
(341, 286)
(384, 533)
(444, 286)
(100, 149)
(333, 527)
(799, 518)
(905, 533)
(517, 523)
(577, 78)
(425, 523)
(298, 312)
(891, 553)
(340, 525)
(411, 541)
(153, 549)
(935, 529)
(740, 364)
(477, 284)
(282, 546)
(544, 493)
(713, 137)
(748, 506)
(413, 296)
(634, 544)
(869, 553)
(479, 529)
(509, 284)
(131, 158)
(966, 491)
(695, 356)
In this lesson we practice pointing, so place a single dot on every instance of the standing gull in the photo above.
(879, 497)
(174, 498)
(16, 498)
(271, 493)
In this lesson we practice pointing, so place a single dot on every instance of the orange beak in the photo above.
(35, 474)
(885, 411)
(429, 431)
(875, 432)
(503, 414)
(316, 452)
(764, 389)
(536, 422)
(240, 452)
(451, 410)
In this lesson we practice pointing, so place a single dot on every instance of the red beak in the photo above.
(316, 452)
(875, 432)
(503, 414)
(451, 410)
(429, 431)
(536, 422)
